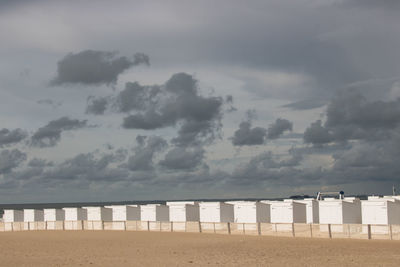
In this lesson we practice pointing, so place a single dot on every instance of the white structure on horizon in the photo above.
(125, 212)
(13, 216)
(183, 211)
(154, 212)
(312, 209)
(251, 211)
(75, 214)
(340, 211)
(382, 211)
(33, 215)
(52, 215)
(288, 211)
(216, 212)
(99, 214)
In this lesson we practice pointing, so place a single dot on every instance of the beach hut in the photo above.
(251, 211)
(340, 211)
(75, 214)
(288, 211)
(381, 211)
(154, 212)
(216, 212)
(312, 209)
(52, 215)
(183, 211)
(33, 215)
(13, 216)
(125, 213)
(98, 214)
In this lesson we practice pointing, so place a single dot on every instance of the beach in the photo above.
(129, 248)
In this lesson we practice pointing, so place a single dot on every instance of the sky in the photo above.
(144, 100)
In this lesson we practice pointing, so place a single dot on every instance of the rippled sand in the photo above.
(118, 248)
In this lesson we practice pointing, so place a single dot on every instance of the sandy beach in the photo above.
(118, 248)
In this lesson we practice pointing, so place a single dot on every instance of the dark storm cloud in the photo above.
(50, 134)
(147, 148)
(350, 116)
(181, 158)
(350, 108)
(94, 67)
(269, 168)
(369, 161)
(177, 101)
(317, 134)
(10, 159)
(8, 137)
(87, 167)
(96, 105)
(136, 97)
(246, 135)
(277, 128)
(194, 133)
(363, 139)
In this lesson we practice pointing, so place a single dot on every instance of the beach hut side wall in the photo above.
(299, 212)
(352, 212)
(315, 212)
(106, 214)
(162, 213)
(263, 212)
(81, 214)
(132, 213)
(394, 212)
(312, 209)
(227, 212)
(192, 213)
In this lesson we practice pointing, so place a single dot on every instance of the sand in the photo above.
(119, 248)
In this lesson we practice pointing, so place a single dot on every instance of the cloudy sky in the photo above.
(141, 100)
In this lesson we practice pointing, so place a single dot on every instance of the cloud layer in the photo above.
(92, 67)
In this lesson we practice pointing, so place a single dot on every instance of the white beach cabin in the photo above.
(340, 211)
(33, 215)
(75, 214)
(52, 215)
(99, 214)
(216, 212)
(381, 211)
(288, 211)
(154, 212)
(183, 211)
(122, 213)
(251, 211)
(312, 209)
(13, 216)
